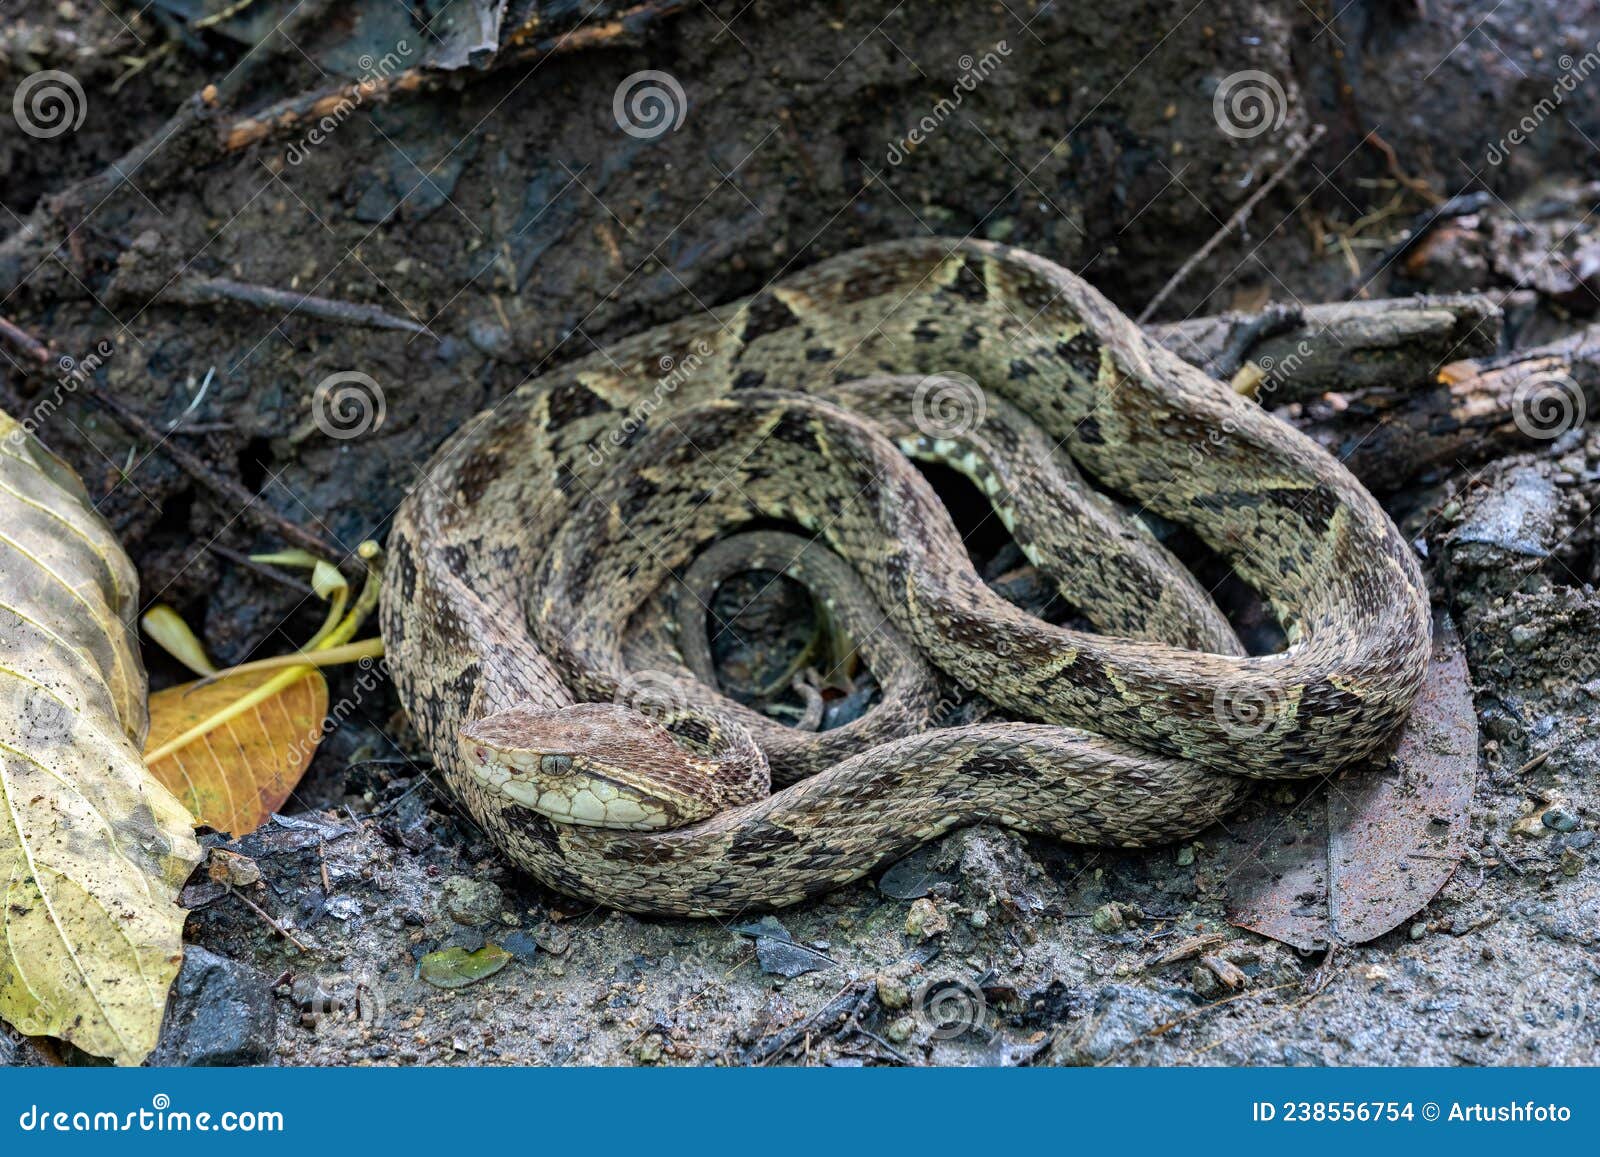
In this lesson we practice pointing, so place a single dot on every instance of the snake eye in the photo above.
(555, 764)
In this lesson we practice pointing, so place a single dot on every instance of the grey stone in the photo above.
(220, 1013)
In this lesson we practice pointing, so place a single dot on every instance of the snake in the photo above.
(546, 524)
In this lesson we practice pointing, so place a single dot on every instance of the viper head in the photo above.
(595, 764)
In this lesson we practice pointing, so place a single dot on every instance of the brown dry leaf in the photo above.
(237, 767)
(93, 849)
(1364, 854)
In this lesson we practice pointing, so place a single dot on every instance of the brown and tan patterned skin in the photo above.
(1140, 741)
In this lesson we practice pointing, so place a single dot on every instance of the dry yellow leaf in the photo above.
(93, 849)
(232, 750)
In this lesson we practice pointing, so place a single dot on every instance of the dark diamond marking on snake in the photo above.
(766, 314)
(1082, 354)
(570, 401)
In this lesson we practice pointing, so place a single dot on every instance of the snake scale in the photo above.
(546, 524)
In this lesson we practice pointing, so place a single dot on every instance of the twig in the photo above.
(1418, 186)
(25, 341)
(258, 512)
(521, 48)
(212, 290)
(40, 232)
(275, 926)
(260, 568)
(1232, 223)
(1421, 226)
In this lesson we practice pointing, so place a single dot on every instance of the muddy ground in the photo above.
(510, 223)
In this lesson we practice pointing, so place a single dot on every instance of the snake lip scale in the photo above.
(546, 530)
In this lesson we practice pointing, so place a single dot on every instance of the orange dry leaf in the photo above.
(232, 750)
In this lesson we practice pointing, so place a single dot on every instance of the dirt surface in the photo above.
(509, 220)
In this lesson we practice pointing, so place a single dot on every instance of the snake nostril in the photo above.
(483, 754)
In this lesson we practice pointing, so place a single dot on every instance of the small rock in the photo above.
(1185, 855)
(470, 902)
(648, 1049)
(1418, 930)
(900, 1030)
(220, 1014)
(979, 918)
(1525, 634)
(1577, 841)
(925, 921)
(520, 944)
(553, 938)
(789, 958)
(1560, 819)
(892, 992)
(1571, 862)
(1114, 917)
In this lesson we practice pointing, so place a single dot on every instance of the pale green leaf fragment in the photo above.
(168, 631)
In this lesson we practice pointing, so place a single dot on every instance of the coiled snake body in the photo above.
(547, 522)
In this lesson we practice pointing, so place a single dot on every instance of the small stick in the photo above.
(260, 513)
(212, 290)
(520, 48)
(276, 927)
(260, 568)
(1232, 223)
(25, 341)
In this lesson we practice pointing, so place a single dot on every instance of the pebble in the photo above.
(892, 992)
(220, 1014)
(925, 921)
(1185, 855)
(900, 1030)
(1525, 634)
(1560, 819)
(1113, 917)
(471, 902)
(1571, 862)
